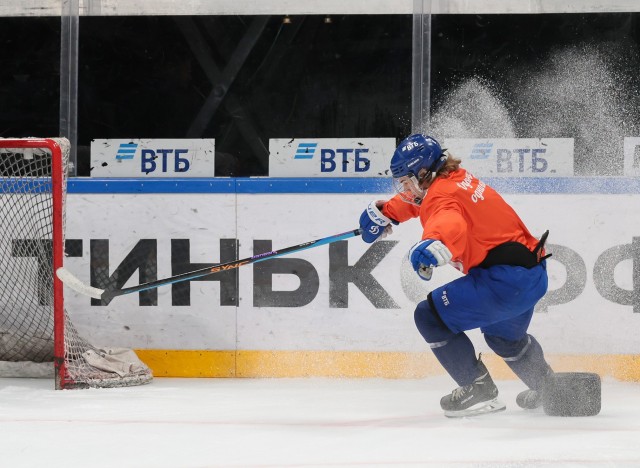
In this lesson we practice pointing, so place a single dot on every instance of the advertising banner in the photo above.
(330, 157)
(153, 158)
(516, 157)
(346, 296)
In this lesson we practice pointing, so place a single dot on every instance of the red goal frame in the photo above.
(62, 379)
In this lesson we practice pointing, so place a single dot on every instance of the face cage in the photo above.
(408, 187)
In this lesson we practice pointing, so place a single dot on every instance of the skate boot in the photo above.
(532, 399)
(479, 397)
(529, 399)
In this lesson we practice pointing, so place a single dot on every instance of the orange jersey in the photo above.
(466, 215)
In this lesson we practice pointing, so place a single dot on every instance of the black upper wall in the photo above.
(553, 75)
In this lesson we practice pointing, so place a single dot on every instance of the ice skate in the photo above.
(479, 397)
(529, 399)
(532, 399)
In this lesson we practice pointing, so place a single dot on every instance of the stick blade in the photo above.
(70, 280)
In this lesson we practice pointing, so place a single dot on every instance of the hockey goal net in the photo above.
(34, 325)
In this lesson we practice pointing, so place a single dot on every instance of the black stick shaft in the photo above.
(110, 293)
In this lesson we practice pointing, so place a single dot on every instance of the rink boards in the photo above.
(345, 309)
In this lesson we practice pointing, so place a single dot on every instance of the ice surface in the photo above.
(303, 423)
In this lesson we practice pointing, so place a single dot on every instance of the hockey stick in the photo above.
(106, 294)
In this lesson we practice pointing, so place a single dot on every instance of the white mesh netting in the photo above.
(26, 279)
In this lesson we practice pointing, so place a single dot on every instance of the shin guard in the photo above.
(525, 358)
(455, 352)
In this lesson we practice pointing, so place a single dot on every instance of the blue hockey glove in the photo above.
(374, 224)
(428, 254)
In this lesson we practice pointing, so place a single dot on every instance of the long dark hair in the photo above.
(452, 164)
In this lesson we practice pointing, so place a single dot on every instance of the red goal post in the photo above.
(34, 325)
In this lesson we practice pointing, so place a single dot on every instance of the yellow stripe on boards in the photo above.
(349, 364)
(179, 363)
(357, 364)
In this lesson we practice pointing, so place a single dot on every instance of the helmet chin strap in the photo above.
(419, 192)
(427, 177)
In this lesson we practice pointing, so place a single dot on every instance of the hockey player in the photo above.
(467, 224)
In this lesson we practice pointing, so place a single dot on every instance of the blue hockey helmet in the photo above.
(417, 152)
(413, 154)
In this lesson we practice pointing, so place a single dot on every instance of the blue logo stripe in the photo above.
(126, 151)
(305, 150)
(481, 151)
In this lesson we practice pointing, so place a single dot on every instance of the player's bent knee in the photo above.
(507, 349)
(430, 325)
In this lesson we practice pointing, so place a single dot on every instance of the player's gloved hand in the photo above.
(374, 224)
(428, 254)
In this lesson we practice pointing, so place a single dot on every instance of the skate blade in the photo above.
(485, 407)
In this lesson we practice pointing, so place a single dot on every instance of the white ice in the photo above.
(194, 423)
